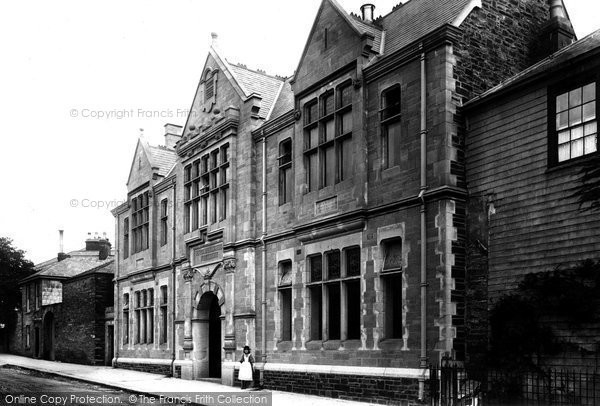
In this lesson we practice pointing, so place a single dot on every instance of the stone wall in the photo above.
(498, 41)
(151, 368)
(76, 333)
(374, 389)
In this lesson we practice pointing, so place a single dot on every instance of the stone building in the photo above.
(320, 219)
(63, 315)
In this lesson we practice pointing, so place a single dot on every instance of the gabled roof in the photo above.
(356, 24)
(162, 158)
(545, 66)
(248, 82)
(417, 18)
(364, 27)
(361, 27)
(259, 83)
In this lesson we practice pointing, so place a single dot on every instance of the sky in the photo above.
(80, 78)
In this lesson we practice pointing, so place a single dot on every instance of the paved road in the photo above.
(15, 382)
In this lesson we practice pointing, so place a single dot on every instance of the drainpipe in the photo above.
(116, 311)
(263, 293)
(423, 357)
(173, 279)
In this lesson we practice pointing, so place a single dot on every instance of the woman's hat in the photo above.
(246, 348)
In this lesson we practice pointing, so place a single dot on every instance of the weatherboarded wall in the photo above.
(534, 223)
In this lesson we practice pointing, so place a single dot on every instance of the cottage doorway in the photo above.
(49, 336)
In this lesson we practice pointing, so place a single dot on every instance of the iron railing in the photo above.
(452, 385)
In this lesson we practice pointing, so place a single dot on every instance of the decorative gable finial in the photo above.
(214, 39)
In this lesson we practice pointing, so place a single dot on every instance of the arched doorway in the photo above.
(206, 334)
(48, 336)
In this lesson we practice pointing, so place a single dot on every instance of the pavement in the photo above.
(154, 384)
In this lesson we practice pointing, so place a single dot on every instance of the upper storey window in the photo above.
(390, 116)
(285, 171)
(140, 222)
(126, 237)
(576, 122)
(327, 137)
(206, 184)
(164, 219)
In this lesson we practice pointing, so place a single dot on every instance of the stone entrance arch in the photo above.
(207, 328)
(48, 341)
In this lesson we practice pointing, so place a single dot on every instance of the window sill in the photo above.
(314, 345)
(284, 345)
(332, 344)
(391, 343)
(571, 163)
(285, 206)
(390, 172)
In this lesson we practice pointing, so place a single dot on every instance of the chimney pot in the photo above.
(557, 32)
(556, 9)
(368, 12)
(61, 254)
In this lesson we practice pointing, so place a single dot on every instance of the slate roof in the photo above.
(416, 18)
(284, 102)
(556, 60)
(364, 27)
(260, 83)
(162, 158)
(361, 26)
(77, 263)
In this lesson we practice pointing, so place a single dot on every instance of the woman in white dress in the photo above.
(246, 374)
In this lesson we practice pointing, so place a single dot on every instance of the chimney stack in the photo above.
(558, 32)
(61, 251)
(172, 135)
(102, 245)
(368, 12)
